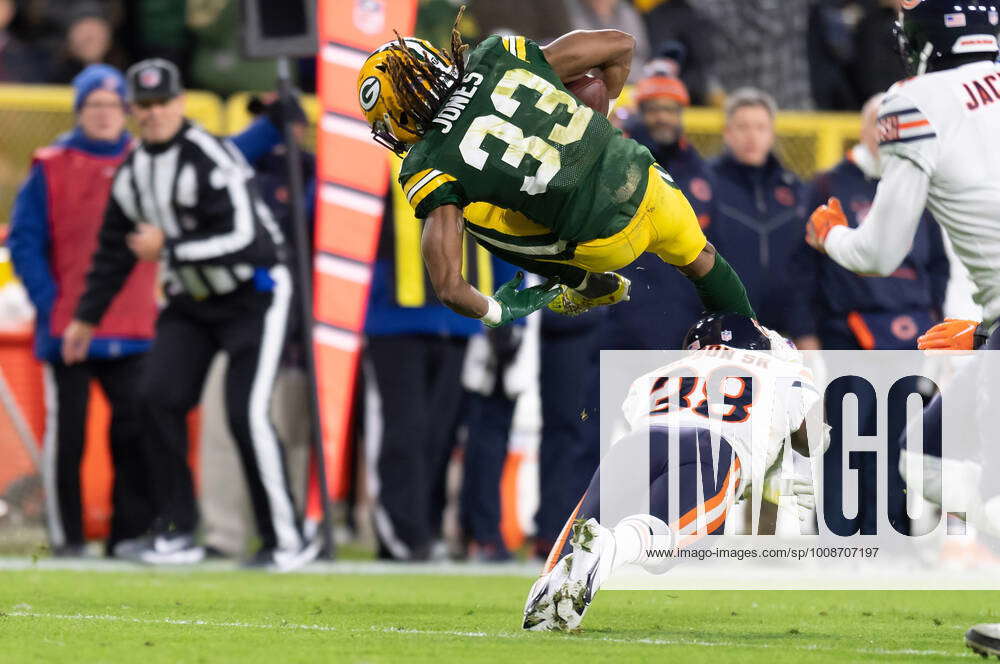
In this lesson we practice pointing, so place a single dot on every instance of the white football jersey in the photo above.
(753, 399)
(948, 124)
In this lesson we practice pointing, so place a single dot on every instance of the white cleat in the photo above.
(289, 561)
(539, 610)
(559, 600)
(166, 549)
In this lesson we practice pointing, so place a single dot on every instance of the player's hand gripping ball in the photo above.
(822, 220)
(591, 91)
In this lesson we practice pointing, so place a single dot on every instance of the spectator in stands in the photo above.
(677, 22)
(19, 63)
(88, 41)
(759, 208)
(435, 19)
(157, 29)
(852, 312)
(612, 14)
(762, 44)
(54, 229)
(217, 61)
(831, 46)
(414, 350)
(662, 303)
(877, 64)
(538, 20)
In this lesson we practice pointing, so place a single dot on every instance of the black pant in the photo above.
(413, 393)
(488, 420)
(67, 396)
(715, 467)
(570, 449)
(249, 326)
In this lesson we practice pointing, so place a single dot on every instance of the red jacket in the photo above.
(78, 186)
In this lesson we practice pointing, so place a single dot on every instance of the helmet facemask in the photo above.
(926, 42)
(913, 55)
(421, 78)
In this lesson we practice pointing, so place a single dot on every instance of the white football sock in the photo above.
(637, 534)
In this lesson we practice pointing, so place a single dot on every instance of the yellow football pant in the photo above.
(664, 225)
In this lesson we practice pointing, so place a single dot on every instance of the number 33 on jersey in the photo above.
(511, 135)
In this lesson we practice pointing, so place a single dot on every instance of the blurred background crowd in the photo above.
(442, 399)
(809, 54)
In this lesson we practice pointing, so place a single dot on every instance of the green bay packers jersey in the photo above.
(513, 136)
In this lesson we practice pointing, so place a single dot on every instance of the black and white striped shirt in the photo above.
(199, 190)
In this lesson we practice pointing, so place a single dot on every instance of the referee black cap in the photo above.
(154, 79)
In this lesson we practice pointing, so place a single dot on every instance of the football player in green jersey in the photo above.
(496, 146)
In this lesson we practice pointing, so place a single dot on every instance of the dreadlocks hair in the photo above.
(421, 87)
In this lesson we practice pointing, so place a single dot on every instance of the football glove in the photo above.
(798, 485)
(822, 220)
(953, 334)
(517, 303)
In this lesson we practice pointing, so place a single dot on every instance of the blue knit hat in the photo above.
(97, 77)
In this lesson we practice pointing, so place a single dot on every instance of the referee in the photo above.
(187, 199)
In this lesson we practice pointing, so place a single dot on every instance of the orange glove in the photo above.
(822, 220)
(952, 334)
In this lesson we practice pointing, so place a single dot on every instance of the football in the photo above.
(592, 92)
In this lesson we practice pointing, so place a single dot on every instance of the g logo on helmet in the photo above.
(369, 93)
(910, 4)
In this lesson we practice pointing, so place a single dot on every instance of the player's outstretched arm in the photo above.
(881, 242)
(441, 245)
(717, 283)
(574, 54)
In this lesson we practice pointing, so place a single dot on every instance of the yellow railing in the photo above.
(32, 116)
(807, 142)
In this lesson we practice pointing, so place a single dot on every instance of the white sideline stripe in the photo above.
(341, 339)
(266, 448)
(347, 127)
(334, 266)
(50, 456)
(352, 200)
(342, 56)
(525, 570)
(85, 617)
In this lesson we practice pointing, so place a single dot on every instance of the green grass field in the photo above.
(211, 616)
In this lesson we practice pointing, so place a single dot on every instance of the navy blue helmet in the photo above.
(933, 32)
(733, 330)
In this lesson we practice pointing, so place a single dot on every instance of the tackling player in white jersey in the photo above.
(715, 420)
(939, 136)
